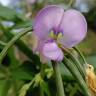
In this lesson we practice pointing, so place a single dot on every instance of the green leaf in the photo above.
(10, 14)
(14, 62)
(20, 34)
(66, 74)
(80, 55)
(25, 88)
(22, 46)
(22, 73)
(23, 24)
(73, 69)
(4, 87)
(45, 88)
(76, 63)
(7, 13)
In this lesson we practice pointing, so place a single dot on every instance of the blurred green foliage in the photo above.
(18, 73)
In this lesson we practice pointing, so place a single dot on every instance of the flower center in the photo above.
(55, 36)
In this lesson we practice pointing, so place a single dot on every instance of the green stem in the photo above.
(2, 43)
(6, 87)
(42, 76)
(42, 70)
(10, 43)
(14, 87)
(59, 82)
(71, 2)
(74, 90)
(41, 92)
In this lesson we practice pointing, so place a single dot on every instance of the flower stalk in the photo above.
(42, 76)
(59, 83)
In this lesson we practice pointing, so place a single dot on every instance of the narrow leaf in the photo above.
(77, 75)
(20, 34)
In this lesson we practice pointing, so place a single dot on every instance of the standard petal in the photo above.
(52, 51)
(47, 19)
(74, 28)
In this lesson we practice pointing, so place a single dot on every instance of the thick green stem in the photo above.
(42, 76)
(59, 82)
(42, 70)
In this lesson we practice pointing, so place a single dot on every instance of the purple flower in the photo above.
(55, 27)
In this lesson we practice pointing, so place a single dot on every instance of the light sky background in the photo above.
(82, 5)
(5, 2)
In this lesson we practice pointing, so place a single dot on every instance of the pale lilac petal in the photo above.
(48, 19)
(74, 28)
(43, 59)
(52, 51)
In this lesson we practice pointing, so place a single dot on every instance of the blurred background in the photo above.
(16, 15)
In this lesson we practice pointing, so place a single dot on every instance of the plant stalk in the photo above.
(59, 83)
(42, 76)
